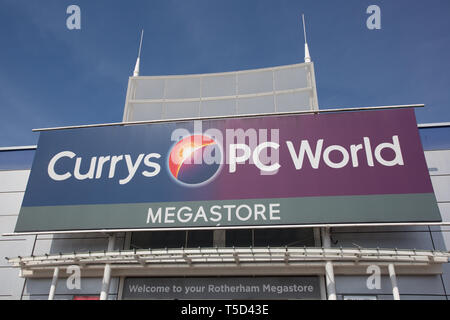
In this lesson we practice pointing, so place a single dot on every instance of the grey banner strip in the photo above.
(222, 288)
(232, 213)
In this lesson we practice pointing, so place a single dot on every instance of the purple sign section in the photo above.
(389, 157)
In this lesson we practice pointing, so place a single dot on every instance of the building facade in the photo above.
(142, 264)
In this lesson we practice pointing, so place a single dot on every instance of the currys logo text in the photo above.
(195, 160)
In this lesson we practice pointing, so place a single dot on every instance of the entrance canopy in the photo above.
(234, 261)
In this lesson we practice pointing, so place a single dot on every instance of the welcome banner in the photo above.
(330, 168)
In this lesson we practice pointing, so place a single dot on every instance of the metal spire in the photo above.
(138, 60)
(307, 56)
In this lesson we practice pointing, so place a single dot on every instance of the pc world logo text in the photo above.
(196, 159)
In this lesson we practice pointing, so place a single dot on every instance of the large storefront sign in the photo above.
(222, 288)
(352, 167)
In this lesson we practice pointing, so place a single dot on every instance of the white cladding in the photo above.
(12, 189)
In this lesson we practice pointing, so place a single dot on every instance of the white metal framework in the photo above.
(234, 262)
(144, 261)
(276, 89)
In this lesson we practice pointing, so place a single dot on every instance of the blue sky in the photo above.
(51, 76)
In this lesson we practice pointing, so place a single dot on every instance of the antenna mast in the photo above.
(138, 60)
(307, 56)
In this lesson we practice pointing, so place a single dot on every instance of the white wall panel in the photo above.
(438, 162)
(13, 181)
(10, 203)
(11, 284)
(12, 187)
(14, 248)
(7, 224)
(441, 186)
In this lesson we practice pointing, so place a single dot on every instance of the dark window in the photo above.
(200, 238)
(158, 239)
(284, 237)
(239, 238)
(236, 237)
